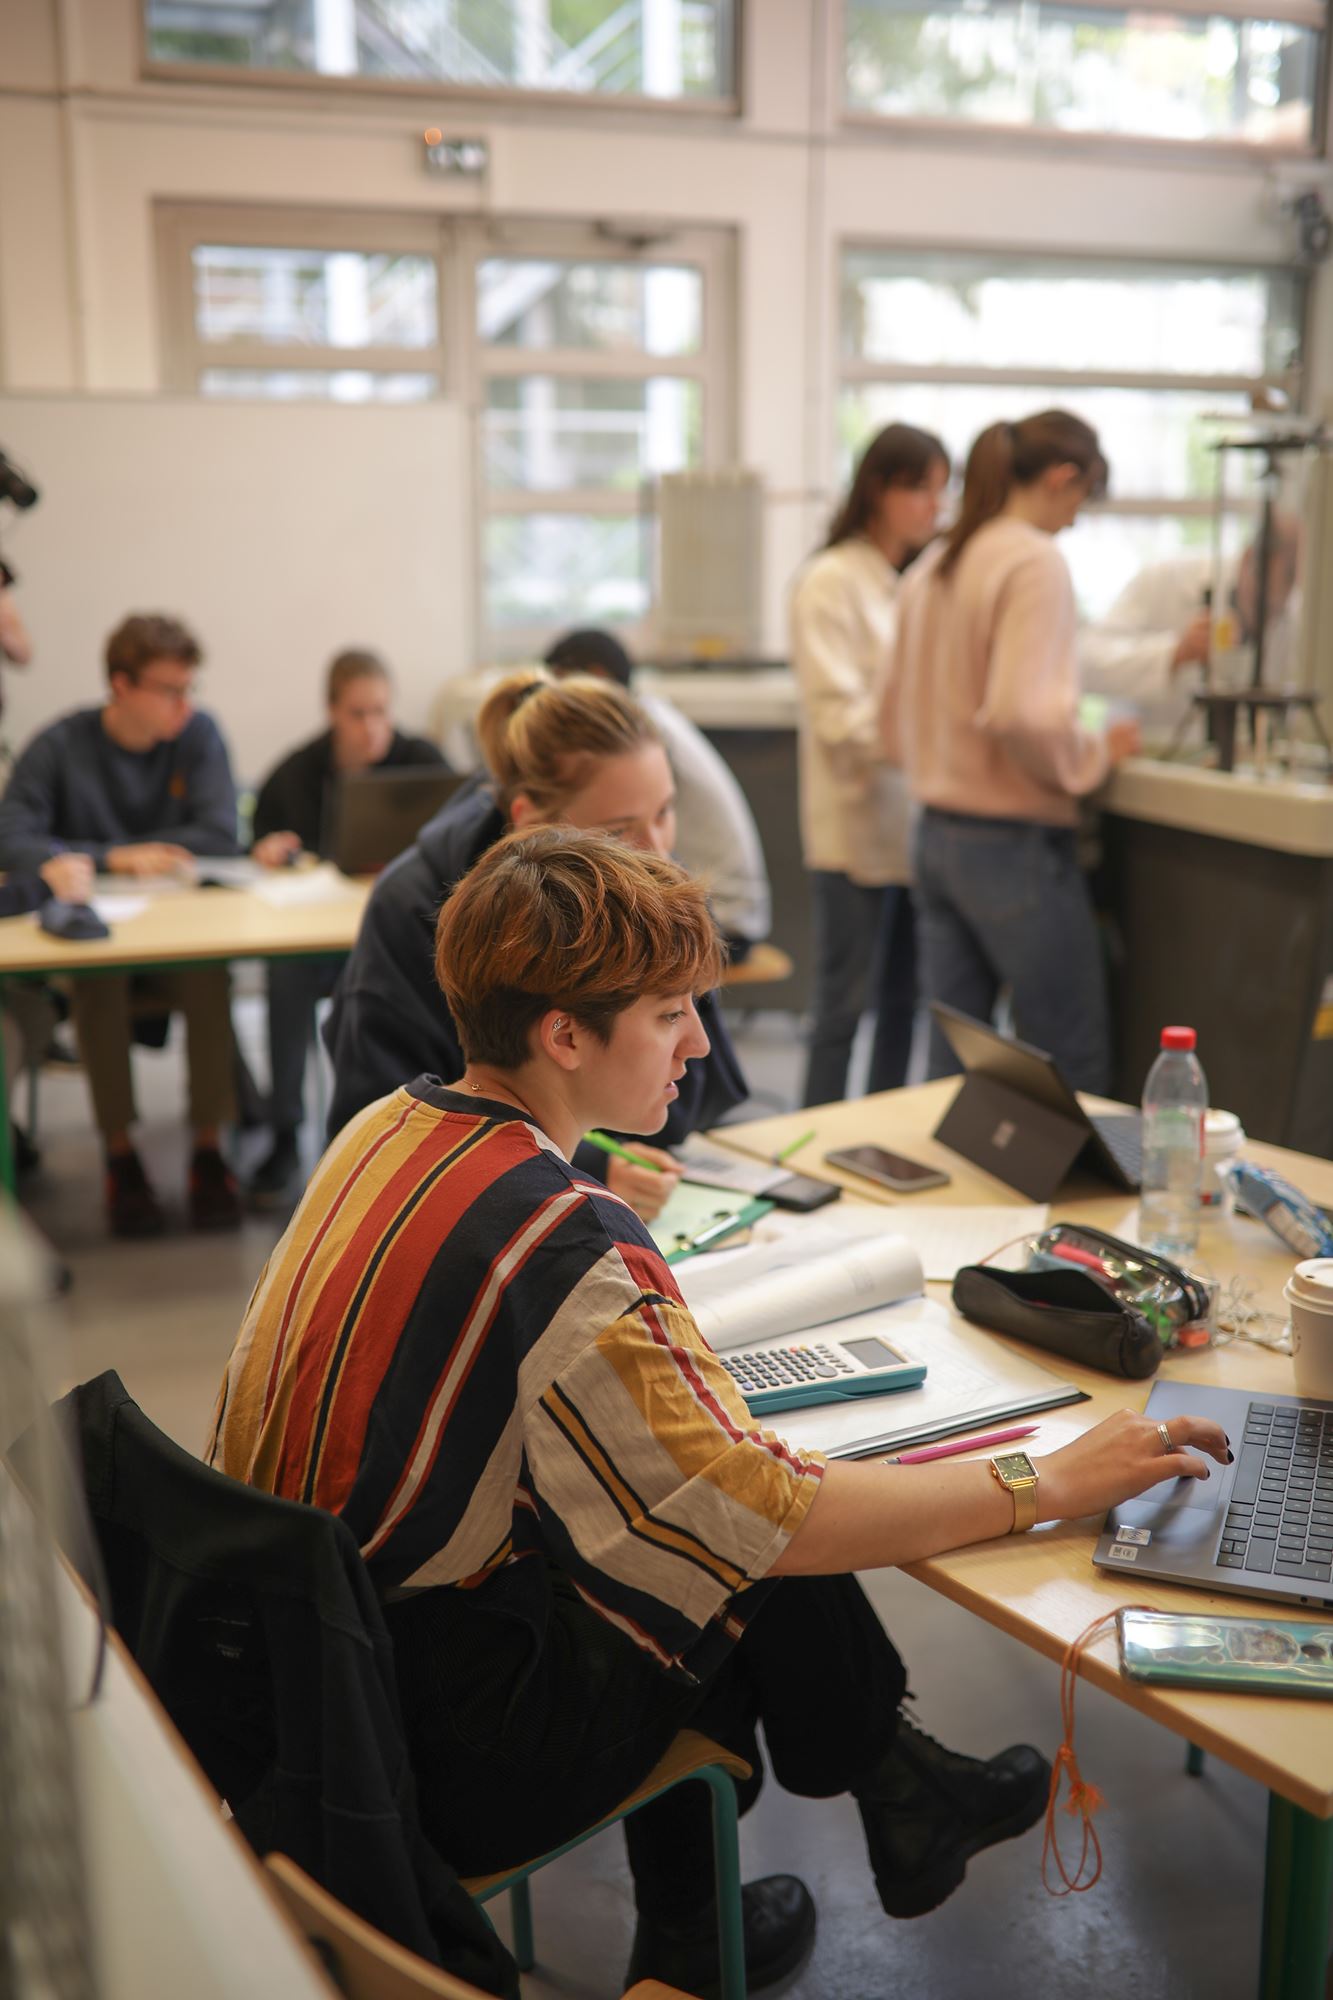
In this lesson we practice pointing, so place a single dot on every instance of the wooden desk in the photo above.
(1043, 1589)
(179, 927)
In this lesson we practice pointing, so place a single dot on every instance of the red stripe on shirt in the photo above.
(327, 1315)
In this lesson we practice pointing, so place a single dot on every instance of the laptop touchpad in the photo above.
(1169, 1498)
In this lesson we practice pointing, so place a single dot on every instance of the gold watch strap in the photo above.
(1025, 1506)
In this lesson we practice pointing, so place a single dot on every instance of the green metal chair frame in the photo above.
(690, 1757)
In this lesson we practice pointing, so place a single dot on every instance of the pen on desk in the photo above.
(955, 1445)
(786, 1152)
(619, 1152)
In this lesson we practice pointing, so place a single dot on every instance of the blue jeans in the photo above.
(865, 956)
(1005, 903)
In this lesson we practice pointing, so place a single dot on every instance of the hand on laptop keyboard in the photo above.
(1122, 1458)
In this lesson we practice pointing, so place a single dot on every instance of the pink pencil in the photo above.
(955, 1445)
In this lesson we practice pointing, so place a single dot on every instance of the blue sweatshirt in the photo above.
(74, 788)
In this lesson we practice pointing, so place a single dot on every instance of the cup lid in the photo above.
(1312, 1282)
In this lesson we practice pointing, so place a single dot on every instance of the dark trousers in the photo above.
(865, 957)
(1005, 903)
(514, 1753)
(294, 985)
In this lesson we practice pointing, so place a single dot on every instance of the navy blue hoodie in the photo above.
(389, 1020)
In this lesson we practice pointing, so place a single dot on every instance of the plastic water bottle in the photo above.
(1175, 1098)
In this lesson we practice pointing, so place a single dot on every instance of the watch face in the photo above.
(1012, 1465)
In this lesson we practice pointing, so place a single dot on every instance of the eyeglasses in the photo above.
(170, 690)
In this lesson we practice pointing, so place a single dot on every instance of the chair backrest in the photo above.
(366, 1964)
(256, 1624)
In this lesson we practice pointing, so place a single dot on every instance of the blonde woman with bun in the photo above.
(579, 752)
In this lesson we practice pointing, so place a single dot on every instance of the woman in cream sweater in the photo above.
(855, 811)
(981, 709)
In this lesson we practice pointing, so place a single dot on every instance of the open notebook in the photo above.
(848, 1283)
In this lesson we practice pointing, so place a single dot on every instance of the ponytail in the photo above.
(1009, 455)
(542, 736)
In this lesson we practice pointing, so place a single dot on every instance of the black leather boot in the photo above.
(927, 1810)
(779, 1931)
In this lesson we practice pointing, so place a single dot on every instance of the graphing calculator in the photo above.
(829, 1371)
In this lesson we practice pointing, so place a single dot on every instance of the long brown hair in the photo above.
(900, 455)
(1009, 455)
(543, 736)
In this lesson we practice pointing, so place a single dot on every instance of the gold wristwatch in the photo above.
(1018, 1475)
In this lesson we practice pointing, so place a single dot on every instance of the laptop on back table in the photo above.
(1016, 1116)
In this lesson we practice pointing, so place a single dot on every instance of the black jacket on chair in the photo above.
(257, 1626)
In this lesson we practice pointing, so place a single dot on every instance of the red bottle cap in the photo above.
(1179, 1038)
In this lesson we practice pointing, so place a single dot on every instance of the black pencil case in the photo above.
(1066, 1312)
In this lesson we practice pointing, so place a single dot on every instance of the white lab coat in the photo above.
(1127, 655)
(856, 810)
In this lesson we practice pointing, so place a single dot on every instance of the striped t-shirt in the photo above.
(477, 1356)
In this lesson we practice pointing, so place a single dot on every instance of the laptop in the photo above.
(1016, 1116)
(371, 816)
(1262, 1527)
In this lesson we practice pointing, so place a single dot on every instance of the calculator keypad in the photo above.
(785, 1367)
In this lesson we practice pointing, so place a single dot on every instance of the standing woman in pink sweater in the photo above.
(981, 708)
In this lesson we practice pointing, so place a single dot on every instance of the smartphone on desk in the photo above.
(801, 1193)
(890, 1170)
(1245, 1655)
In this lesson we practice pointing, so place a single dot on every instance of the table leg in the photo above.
(8, 1176)
(1298, 1903)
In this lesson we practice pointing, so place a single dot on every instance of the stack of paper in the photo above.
(850, 1278)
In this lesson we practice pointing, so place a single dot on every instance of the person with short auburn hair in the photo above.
(141, 784)
(583, 1540)
(577, 751)
(291, 816)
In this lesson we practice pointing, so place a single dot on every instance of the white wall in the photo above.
(87, 146)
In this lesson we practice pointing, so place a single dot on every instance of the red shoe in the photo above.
(132, 1209)
(215, 1201)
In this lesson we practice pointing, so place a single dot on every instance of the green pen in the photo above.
(794, 1147)
(619, 1152)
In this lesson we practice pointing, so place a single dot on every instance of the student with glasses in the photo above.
(142, 784)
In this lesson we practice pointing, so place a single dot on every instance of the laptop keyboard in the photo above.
(1122, 1135)
(1280, 1515)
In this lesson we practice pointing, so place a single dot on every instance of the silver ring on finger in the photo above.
(1165, 1435)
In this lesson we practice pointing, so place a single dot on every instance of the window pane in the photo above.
(650, 48)
(551, 570)
(1083, 69)
(339, 385)
(1156, 441)
(994, 312)
(322, 298)
(1106, 551)
(547, 302)
(544, 432)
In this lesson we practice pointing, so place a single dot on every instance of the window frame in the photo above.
(461, 362)
(727, 105)
(852, 371)
(712, 367)
(858, 122)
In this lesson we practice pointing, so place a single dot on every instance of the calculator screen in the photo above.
(872, 1353)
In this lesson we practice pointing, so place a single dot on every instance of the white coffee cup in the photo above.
(1309, 1296)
